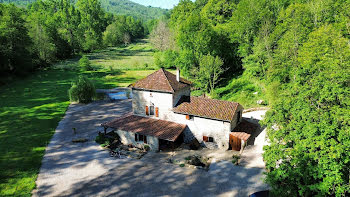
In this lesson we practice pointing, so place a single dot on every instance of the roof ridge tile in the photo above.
(168, 79)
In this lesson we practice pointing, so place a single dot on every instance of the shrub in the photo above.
(235, 159)
(114, 71)
(102, 140)
(146, 147)
(82, 91)
(85, 63)
(182, 165)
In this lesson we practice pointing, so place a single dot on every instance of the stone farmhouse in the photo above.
(165, 114)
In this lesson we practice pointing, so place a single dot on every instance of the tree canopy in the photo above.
(299, 52)
(48, 31)
(117, 7)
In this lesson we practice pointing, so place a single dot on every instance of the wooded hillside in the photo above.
(119, 7)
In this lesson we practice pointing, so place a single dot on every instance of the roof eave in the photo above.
(184, 113)
(152, 90)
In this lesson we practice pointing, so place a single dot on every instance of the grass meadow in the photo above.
(31, 108)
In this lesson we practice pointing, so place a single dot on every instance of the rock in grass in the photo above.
(260, 102)
(80, 140)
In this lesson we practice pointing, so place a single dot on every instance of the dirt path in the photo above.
(252, 154)
(85, 169)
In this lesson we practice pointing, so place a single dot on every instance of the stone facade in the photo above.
(197, 127)
(129, 138)
(183, 92)
(159, 95)
(163, 91)
(164, 101)
(143, 98)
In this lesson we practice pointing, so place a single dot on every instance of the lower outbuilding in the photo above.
(140, 131)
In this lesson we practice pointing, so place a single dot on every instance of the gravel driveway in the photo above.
(85, 169)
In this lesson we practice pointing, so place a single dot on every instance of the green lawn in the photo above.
(31, 108)
(29, 112)
(137, 56)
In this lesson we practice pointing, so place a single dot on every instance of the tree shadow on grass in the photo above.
(119, 53)
(27, 124)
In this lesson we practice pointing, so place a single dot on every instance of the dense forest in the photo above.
(48, 31)
(298, 54)
(118, 7)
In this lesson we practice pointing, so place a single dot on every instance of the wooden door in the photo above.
(235, 143)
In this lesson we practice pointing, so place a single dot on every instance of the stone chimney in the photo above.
(178, 74)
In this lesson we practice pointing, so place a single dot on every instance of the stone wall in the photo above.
(177, 95)
(196, 128)
(141, 99)
(129, 138)
(199, 127)
(234, 119)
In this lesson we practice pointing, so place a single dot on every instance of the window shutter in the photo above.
(187, 117)
(147, 111)
(157, 112)
(145, 139)
(205, 138)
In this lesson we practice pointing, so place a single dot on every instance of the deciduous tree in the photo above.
(15, 55)
(309, 126)
(210, 69)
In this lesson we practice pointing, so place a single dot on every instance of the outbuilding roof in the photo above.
(207, 108)
(244, 129)
(161, 80)
(161, 129)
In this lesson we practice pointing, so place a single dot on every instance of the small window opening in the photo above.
(140, 138)
(208, 139)
(189, 117)
(151, 110)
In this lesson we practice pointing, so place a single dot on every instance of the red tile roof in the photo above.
(161, 80)
(161, 129)
(207, 108)
(241, 135)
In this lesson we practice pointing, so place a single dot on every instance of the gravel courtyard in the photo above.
(85, 169)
